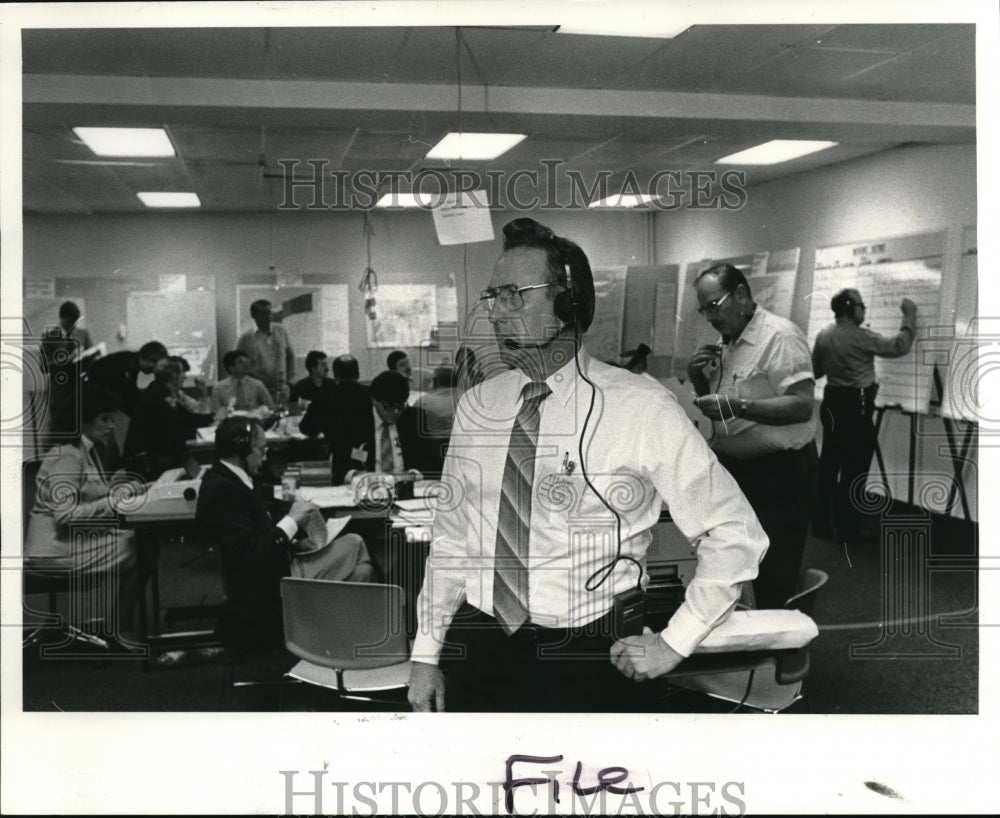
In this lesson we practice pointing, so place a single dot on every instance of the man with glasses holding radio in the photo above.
(384, 436)
(756, 386)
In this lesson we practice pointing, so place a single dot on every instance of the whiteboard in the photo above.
(885, 271)
(604, 338)
(665, 318)
(184, 322)
(972, 350)
(315, 316)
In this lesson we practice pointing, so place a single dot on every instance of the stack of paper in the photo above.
(327, 496)
(412, 513)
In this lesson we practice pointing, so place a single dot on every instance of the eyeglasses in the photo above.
(713, 305)
(508, 294)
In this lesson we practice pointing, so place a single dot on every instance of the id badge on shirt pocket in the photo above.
(359, 455)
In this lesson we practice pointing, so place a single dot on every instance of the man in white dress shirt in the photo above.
(558, 469)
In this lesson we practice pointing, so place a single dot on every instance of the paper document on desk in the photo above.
(418, 504)
(761, 630)
(414, 517)
(206, 434)
(327, 496)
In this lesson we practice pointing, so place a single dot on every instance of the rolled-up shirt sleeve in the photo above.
(710, 510)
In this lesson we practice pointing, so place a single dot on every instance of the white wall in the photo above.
(223, 250)
(908, 190)
(899, 192)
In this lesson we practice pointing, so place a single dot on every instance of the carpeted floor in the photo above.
(925, 661)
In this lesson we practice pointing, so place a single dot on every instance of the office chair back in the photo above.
(344, 625)
(794, 667)
(810, 581)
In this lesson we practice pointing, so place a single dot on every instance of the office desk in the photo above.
(153, 531)
(150, 534)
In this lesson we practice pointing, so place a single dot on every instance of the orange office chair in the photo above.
(350, 636)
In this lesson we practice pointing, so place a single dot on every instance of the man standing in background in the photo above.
(845, 353)
(756, 387)
(269, 349)
(61, 351)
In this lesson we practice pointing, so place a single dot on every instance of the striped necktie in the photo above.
(385, 449)
(510, 573)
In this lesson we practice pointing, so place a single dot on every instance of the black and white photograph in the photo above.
(482, 408)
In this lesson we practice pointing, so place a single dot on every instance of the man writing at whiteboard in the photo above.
(756, 387)
(845, 352)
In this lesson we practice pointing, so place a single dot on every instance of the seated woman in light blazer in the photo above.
(72, 522)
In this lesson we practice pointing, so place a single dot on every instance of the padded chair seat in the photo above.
(375, 680)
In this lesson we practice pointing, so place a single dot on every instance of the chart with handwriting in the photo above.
(885, 271)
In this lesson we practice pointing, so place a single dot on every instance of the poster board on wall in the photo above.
(183, 321)
(603, 339)
(316, 316)
(961, 372)
(885, 271)
(651, 312)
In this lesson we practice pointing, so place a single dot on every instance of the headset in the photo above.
(565, 305)
(242, 439)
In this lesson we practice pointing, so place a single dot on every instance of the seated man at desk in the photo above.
(256, 551)
(317, 383)
(240, 391)
(384, 436)
(161, 425)
(346, 395)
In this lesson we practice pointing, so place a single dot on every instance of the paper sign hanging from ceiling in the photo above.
(463, 218)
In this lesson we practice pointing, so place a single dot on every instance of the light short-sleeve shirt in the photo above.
(771, 355)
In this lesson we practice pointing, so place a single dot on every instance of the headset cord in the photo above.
(608, 569)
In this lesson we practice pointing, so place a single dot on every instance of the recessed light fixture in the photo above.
(169, 199)
(624, 200)
(474, 145)
(627, 27)
(404, 200)
(126, 141)
(775, 151)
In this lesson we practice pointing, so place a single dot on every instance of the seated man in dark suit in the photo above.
(314, 385)
(119, 372)
(385, 436)
(256, 551)
(161, 425)
(346, 395)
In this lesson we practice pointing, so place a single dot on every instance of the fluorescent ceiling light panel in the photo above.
(403, 200)
(126, 141)
(625, 200)
(775, 152)
(164, 199)
(627, 27)
(474, 145)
